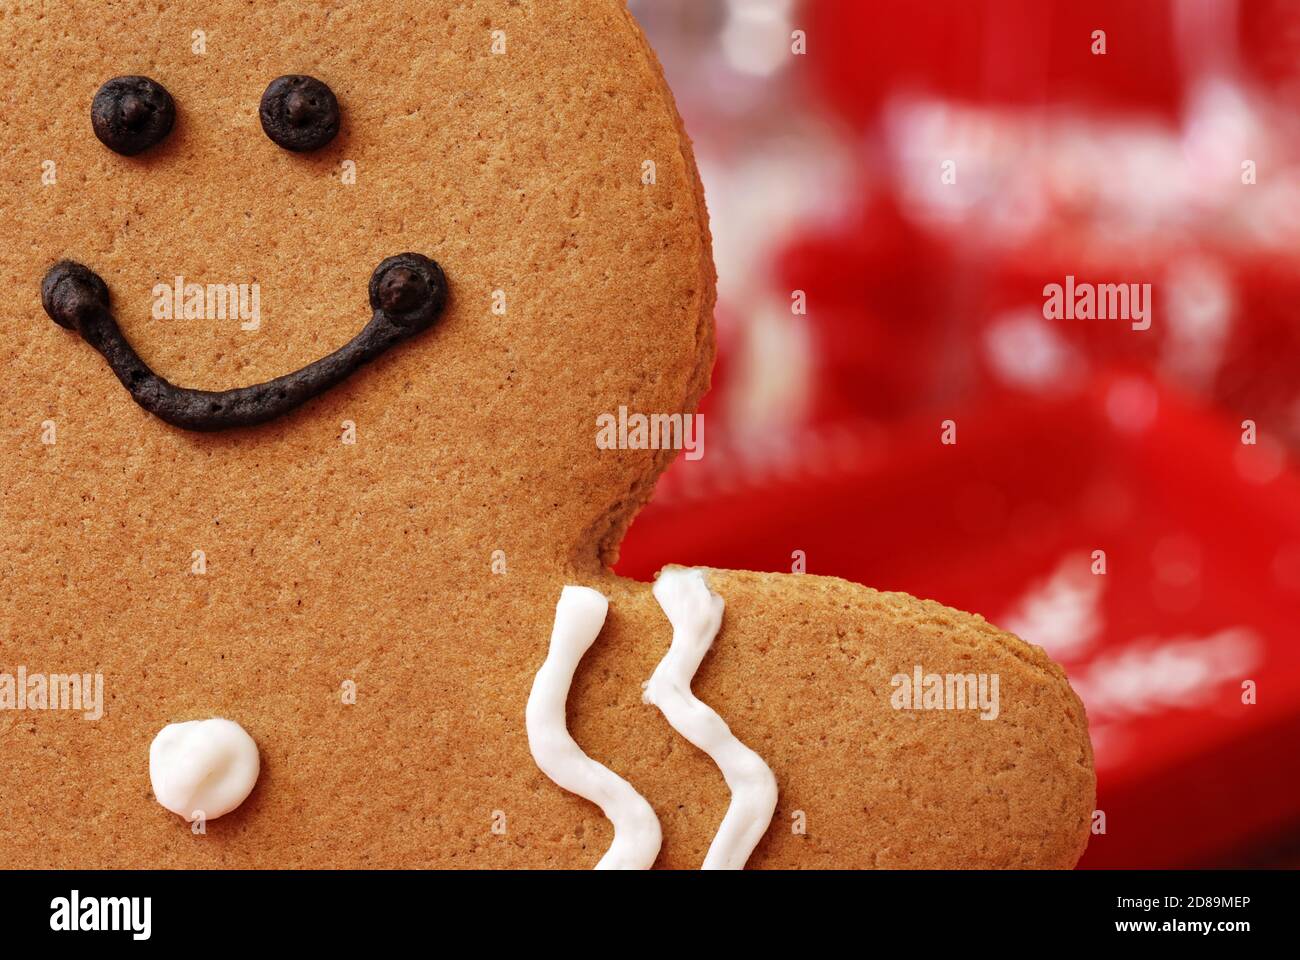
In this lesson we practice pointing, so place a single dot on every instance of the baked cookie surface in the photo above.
(256, 573)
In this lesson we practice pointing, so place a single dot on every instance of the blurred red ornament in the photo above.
(879, 290)
(1270, 40)
(1022, 52)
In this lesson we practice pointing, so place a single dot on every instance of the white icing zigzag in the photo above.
(578, 618)
(696, 615)
(695, 612)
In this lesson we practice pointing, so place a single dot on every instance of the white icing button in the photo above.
(203, 768)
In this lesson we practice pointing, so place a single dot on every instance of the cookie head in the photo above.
(231, 211)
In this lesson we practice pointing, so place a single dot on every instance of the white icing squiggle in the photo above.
(578, 618)
(695, 612)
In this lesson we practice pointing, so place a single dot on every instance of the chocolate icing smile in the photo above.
(407, 293)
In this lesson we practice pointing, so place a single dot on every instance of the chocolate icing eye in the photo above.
(299, 113)
(131, 114)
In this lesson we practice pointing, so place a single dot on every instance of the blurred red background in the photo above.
(892, 185)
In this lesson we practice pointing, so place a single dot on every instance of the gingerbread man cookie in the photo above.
(312, 315)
